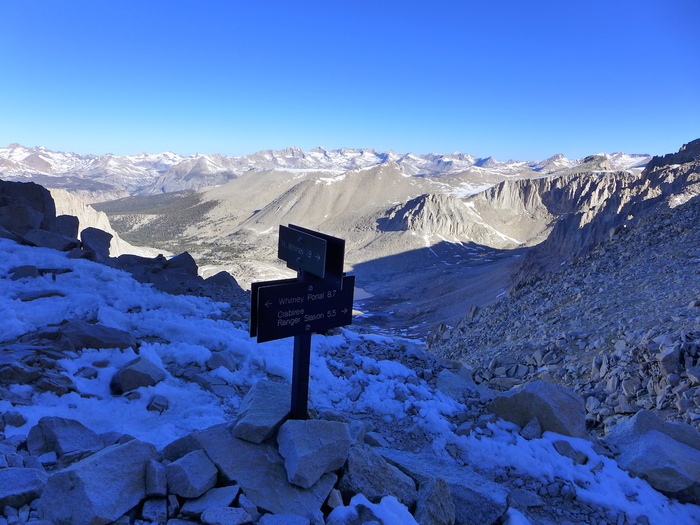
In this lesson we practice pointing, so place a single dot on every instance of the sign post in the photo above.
(320, 298)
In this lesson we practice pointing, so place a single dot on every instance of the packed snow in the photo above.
(183, 330)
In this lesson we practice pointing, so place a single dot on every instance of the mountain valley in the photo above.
(527, 355)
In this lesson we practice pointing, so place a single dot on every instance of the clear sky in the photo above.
(508, 79)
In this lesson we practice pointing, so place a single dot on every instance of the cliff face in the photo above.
(565, 215)
(68, 204)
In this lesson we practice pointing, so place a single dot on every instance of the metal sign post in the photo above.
(320, 298)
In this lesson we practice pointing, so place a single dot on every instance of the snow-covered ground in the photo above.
(185, 330)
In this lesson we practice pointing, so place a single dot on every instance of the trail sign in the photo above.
(313, 252)
(291, 307)
(320, 298)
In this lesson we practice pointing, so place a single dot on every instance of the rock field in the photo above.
(575, 400)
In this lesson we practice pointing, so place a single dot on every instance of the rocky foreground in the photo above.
(124, 404)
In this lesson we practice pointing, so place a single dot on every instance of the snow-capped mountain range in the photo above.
(106, 177)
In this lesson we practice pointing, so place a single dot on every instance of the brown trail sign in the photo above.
(320, 298)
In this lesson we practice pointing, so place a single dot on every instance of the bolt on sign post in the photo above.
(320, 298)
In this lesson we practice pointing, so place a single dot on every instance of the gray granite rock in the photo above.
(645, 421)
(262, 411)
(191, 475)
(669, 466)
(62, 436)
(312, 448)
(435, 505)
(259, 470)
(156, 479)
(100, 488)
(557, 408)
(77, 334)
(97, 241)
(225, 516)
(476, 499)
(155, 510)
(20, 486)
(370, 474)
(461, 387)
(135, 374)
(213, 498)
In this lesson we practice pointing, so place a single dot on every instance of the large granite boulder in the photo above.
(30, 195)
(99, 489)
(557, 408)
(77, 335)
(191, 475)
(97, 241)
(263, 409)
(476, 499)
(20, 486)
(62, 436)
(665, 454)
(258, 469)
(312, 448)
(370, 474)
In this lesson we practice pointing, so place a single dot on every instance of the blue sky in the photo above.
(508, 79)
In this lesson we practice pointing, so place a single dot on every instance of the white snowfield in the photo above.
(186, 329)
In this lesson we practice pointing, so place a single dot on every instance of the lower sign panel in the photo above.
(285, 309)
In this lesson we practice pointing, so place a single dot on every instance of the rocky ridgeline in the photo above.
(262, 468)
(28, 216)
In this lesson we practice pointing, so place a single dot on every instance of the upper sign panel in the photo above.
(314, 252)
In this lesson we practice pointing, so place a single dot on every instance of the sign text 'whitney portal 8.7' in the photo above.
(320, 298)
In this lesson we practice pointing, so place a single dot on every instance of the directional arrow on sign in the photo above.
(288, 308)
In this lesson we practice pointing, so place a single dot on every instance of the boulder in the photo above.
(671, 467)
(312, 448)
(77, 335)
(155, 510)
(191, 475)
(259, 470)
(47, 239)
(461, 387)
(20, 486)
(135, 374)
(370, 474)
(557, 408)
(67, 225)
(476, 499)
(33, 196)
(262, 411)
(212, 499)
(62, 436)
(184, 262)
(156, 479)
(435, 505)
(98, 489)
(97, 241)
(627, 432)
(20, 219)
